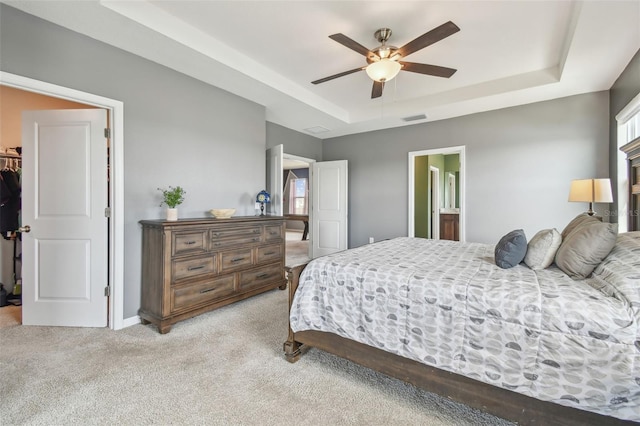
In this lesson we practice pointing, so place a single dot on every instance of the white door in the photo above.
(64, 186)
(329, 209)
(274, 180)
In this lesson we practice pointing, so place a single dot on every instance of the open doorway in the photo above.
(436, 193)
(327, 201)
(15, 102)
(296, 203)
(115, 177)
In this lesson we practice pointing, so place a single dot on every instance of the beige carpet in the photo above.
(222, 368)
(297, 249)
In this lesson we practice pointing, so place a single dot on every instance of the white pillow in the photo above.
(542, 248)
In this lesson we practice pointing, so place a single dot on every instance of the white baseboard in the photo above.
(128, 322)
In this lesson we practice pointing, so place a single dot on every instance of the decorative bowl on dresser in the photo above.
(192, 266)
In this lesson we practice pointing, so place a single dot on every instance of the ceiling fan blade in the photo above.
(426, 39)
(376, 91)
(434, 70)
(351, 44)
(342, 74)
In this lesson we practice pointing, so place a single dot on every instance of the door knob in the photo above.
(25, 228)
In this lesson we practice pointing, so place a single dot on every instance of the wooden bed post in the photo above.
(292, 349)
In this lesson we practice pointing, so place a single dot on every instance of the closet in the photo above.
(10, 204)
(14, 102)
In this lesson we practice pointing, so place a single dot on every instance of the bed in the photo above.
(530, 345)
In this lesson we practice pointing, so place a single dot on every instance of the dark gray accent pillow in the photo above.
(511, 249)
(585, 247)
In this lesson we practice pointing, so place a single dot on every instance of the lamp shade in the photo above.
(591, 191)
(263, 197)
(383, 70)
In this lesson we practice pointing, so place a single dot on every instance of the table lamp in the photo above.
(263, 197)
(591, 191)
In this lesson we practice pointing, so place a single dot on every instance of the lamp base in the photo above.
(261, 209)
(590, 212)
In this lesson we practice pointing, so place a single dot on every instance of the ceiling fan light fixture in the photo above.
(383, 70)
(384, 52)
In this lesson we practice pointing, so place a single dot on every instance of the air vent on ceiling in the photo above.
(415, 117)
(316, 129)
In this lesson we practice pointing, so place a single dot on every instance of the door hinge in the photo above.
(107, 212)
(107, 291)
(107, 133)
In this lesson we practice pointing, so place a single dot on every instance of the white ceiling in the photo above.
(507, 52)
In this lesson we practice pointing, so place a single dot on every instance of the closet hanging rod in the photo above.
(3, 155)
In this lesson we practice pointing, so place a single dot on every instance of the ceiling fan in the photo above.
(384, 62)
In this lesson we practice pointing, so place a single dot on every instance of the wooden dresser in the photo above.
(192, 266)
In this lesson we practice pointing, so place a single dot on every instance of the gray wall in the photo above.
(178, 131)
(295, 143)
(626, 87)
(519, 165)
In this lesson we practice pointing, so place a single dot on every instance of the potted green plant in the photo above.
(172, 197)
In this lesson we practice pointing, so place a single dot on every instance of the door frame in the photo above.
(412, 176)
(116, 177)
(434, 187)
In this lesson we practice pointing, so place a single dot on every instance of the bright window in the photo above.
(298, 196)
(628, 129)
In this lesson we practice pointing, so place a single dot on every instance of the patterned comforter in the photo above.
(447, 304)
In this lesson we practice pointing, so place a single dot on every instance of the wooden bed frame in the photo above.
(491, 399)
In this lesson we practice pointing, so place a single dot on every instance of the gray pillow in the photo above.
(511, 249)
(577, 221)
(585, 247)
(542, 248)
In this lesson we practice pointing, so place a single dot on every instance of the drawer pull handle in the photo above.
(237, 259)
(262, 276)
(256, 239)
(207, 290)
(270, 253)
(195, 268)
(217, 244)
(190, 243)
(256, 231)
(274, 233)
(216, 234)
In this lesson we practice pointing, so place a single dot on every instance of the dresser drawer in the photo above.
(235, 259)
(188, 242)
(273, 232)
(221, 238)
(261, 276)
(192, 267)
(270, 253)
(187, 296)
